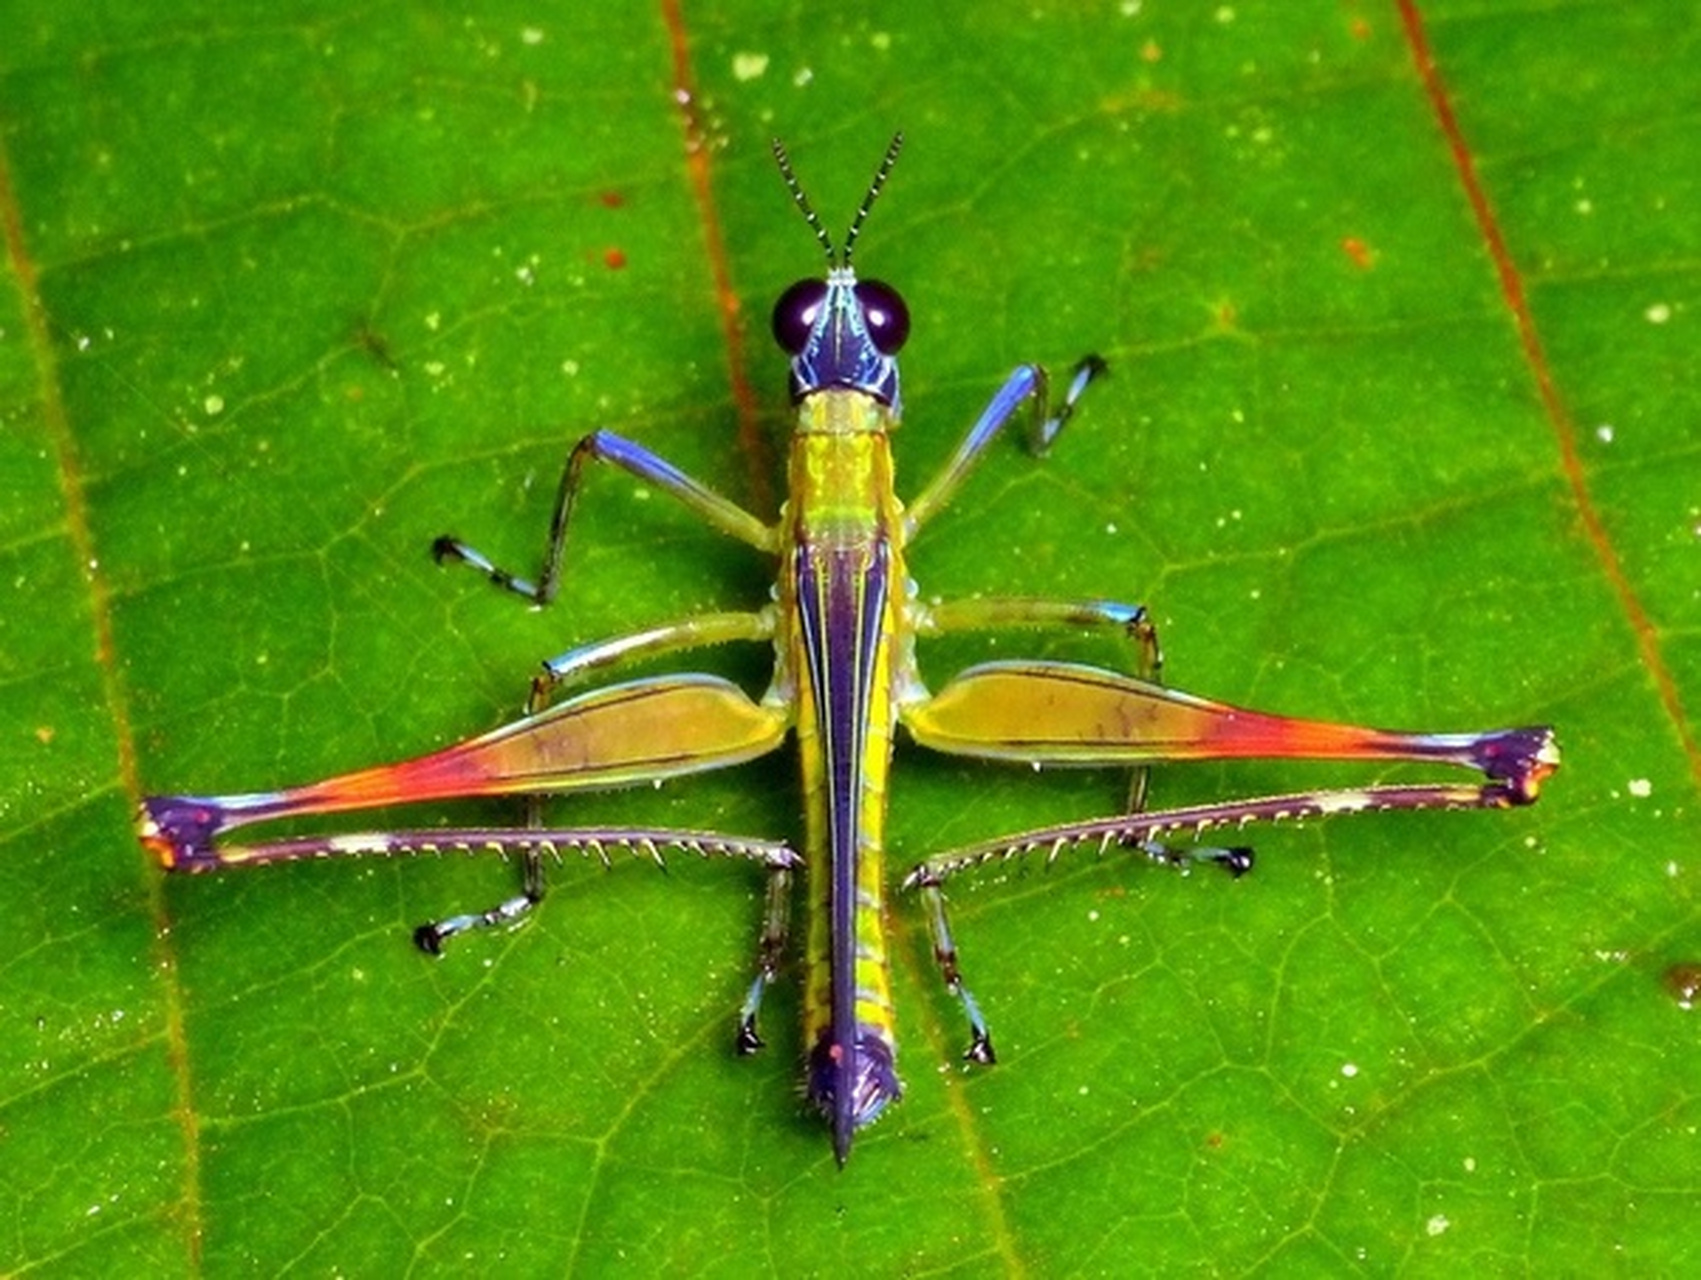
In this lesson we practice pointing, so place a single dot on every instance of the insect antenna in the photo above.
(792, 185)
(808, 210)
(880, 175)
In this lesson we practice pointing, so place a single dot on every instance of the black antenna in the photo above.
(880, 174)
(796, 189)
(784, 162)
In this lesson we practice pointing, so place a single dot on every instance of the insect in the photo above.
(843, 624)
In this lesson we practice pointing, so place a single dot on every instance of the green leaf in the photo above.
(292, 294)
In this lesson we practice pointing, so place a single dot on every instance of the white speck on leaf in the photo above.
(749, 66)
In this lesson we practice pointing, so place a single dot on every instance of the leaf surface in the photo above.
(1402, 428)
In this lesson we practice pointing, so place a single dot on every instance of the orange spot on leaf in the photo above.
(1361, 254)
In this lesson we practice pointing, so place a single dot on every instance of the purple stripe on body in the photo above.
(842, 594)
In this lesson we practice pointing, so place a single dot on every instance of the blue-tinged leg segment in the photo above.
(1237, 860)
(432, 935)
(1017, 612)
(693, 633)
(927, 881)
(945, 956)
(719, 512)
(1028, 382)
(770, 952)
(1046, 429)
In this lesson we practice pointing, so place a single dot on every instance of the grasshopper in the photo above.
(843, 623)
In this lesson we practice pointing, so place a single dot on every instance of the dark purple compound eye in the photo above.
(885, 314)
(795, 312)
